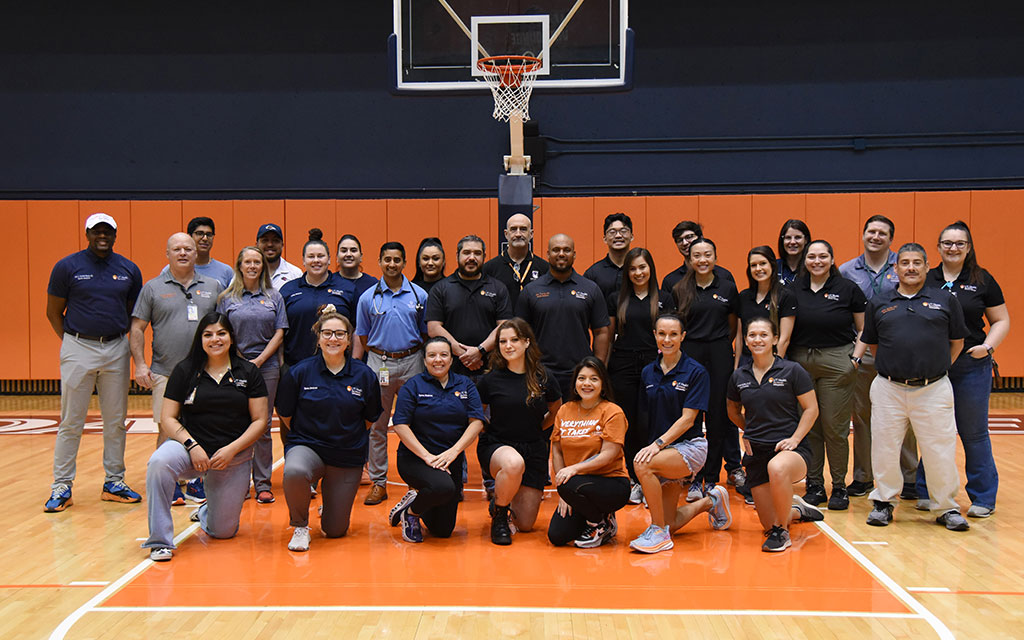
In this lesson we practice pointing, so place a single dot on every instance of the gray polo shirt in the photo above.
(215, 269)
(870, 282)
(163, 303)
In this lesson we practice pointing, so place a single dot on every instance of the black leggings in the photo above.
(592, 498)
(437, 499)
(624, 369)
(723, 436)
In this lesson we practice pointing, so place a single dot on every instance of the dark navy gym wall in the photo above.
(283, 100)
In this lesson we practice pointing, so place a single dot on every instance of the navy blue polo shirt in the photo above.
(329, 412)
(361, 284)
(707, 319)
(824, 317)
(468, 309)
(514, 276)
(686, 386)
(770, 407)
(637, 332)
(100, 292)
(562, 315)
(438, 416)
(301, 301)
(913, 334)
(673, 277)
(750, 308)
(974, 298)
(606, 275)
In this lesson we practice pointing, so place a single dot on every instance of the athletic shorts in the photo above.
(757, 464)
(535, 457)
(695, 454)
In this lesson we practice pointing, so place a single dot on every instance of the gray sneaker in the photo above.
(636, 494)
(777, 539)
(695, 493)
(978, 511)
(923, 504)
(953, 521)
(808, 512)
(881, 514)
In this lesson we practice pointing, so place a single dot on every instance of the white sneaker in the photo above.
(636, 494)
(300, 539)
(978, 511)
(162, 554)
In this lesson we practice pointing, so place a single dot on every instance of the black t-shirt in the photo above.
(515, 276)
(215, 414)
(426, 286)
(913, 334)
(973, 299)
(606, 275)
(708, 317)
(825, 318)
(469, 309)
(670, 280)
(770, 408)
(512, 419)
(750, 308)
(637, 334)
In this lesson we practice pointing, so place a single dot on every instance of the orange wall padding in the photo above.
(40, 232)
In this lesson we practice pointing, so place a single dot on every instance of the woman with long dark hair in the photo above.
(350, 266)
(765, 297)
(430, 263)
(793, 240)
(214, 409)
(523, 398)
(982, 300)
(633, 310)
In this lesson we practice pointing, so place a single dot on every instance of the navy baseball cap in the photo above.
(268, 228)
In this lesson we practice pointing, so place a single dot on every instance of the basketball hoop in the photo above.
(511, 81)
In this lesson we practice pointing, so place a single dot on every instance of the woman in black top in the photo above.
(523, 398)
(765, 298)
(214, 410)
(633, 310)
(709, 306)
(830, 317)
(971, 374)
(773, 400)
(430, 263)
(793, 239)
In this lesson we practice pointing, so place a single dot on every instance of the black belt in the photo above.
(100, 339)
(915, 382)
(395, 355)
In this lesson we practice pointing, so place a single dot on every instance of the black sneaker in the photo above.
(858, 488)
(777, 540)
(808, 512)
(909, 492)
(881, 515)
(501, 533)
(815, 495)
(839, 500)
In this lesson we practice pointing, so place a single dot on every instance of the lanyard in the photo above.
(876, 279)
(521, 277)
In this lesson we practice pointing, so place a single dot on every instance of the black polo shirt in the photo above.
(708, 317)
(215, 413)
(686, 386)
(562, 315)
(512, 418)
(468, 309)
(637, 333)
(670, 280)
(750, 308)
(825, 318)
(770, 408)
(973, 299)
(913, 334)
(606, 275)
(514, 276)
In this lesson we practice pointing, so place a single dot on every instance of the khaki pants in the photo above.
(862, 429)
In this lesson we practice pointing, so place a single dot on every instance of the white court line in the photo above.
(89, 583)
(930, 589)
(882, 577)
(112, 588)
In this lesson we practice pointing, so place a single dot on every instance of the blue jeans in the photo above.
(972, 385)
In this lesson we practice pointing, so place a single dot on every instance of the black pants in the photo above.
(592, 498)
(437, 499)
(723, 436)
(624, 367)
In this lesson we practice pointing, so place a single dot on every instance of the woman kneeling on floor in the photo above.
(214, 410)
(327, 403)
(778, 410)
(437, 415)
(677, 389)
(586, 455)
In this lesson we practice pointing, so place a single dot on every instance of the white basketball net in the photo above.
(511, 85)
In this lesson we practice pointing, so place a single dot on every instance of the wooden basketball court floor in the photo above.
(81, 573)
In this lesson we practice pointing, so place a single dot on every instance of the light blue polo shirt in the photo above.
(392, 321)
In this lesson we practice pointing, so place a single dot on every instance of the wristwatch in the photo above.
(483, 352)
(188, 444)
(856, 359)
(660, 443)
(988, 348)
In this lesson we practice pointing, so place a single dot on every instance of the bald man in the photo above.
(565, 309)
(516, 266)
(173, 302)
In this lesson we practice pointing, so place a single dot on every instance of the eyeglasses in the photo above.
(203, 234)
(687, 237)
(949, 244)
(336, 333)
(622, 233)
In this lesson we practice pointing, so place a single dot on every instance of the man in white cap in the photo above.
(89, 301)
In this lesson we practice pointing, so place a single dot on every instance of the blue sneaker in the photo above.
(411, 530)
(395, 517)
(179, 498)
(60, 499)
(719, 515)
(653, 540)
(119, 492)
(194, 491)
(695, 492)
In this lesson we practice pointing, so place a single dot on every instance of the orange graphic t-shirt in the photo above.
(581, 433)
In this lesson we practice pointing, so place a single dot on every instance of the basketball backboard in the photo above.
(583, 44)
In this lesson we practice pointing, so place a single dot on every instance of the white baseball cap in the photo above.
(99, 218)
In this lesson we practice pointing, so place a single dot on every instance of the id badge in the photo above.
(383, 377)
(193, 313)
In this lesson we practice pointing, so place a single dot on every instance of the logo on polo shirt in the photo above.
(83, 276)
(489, 294)
(241, 383)
(582, 295)
(542, 294)
(356, 391)
(888, 309)
(932, 305)
(421, 395)
(462, 395)
(119, 277)
(203, 294)
(310, 388)
(832, 296)
(534, 274)
(743, 385)
(680, 386)
(297, 293)
(335, 292)
(778, 382)
(718, 297)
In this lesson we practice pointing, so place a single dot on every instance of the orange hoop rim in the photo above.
(510, 65)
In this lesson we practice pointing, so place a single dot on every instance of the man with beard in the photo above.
(270, 240)
(607, 272)
(683, 234)
(517, 266)
(467, 307)
(89, 298)
(563, 308)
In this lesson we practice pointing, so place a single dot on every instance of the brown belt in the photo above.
(395, 355)
(915, 382)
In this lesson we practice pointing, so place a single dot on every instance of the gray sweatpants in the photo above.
(304, 468)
